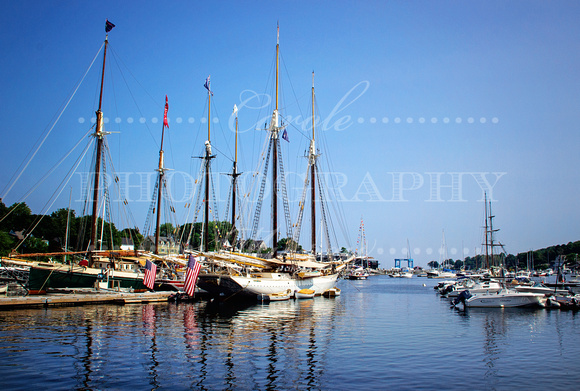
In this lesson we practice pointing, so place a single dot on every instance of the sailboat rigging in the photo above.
(101, 266)
(207, 163)
(229, 274)
(312, 180)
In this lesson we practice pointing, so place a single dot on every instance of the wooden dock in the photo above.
(85, 298)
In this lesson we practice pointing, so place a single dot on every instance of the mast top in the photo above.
(108, 27)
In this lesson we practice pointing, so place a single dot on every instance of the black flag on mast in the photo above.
(108, 26)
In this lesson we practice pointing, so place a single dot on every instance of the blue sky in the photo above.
(424, 104)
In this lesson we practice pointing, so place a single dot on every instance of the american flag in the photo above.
(191, 275)
(150, 272)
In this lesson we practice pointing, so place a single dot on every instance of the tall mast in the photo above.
(235, 173)
(491, 244)
(67, 222)
(161, 170)
(274, 137)
(99, 134)
(277, 60)
(312, 158)
(208, 157)
(486, 235)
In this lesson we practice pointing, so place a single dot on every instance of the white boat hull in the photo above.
(278, 282)
(437, 274)
(305, 294)
(480, 288)
(504, 300)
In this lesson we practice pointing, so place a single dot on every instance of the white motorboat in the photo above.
(503, 299)
(473, 287)
(538, 287)
(358, 274)
(440, 274)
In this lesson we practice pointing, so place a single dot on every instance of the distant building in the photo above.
(259, 246)
(127, 244)
(19, 235)
(225, 245)
(167, 245)
(366, 262)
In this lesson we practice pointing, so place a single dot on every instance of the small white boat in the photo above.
(473, 287)
(278, 296)
(440, 274)
(358, 274)
(401, 273)
(502, 299)
(538, 287)
(304, 294)
(332, 292)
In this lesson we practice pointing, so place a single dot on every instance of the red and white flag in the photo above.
(150, 272)
(193, 267)
(165, 123)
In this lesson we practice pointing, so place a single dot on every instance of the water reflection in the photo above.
(494, 329)
(257, 345)
(149, 324)
(371, 337)
(497, 326)
(85, 369)
(276, 345)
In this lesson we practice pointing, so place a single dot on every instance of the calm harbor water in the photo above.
(382, 333)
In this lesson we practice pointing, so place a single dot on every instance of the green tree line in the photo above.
(542, 259)
(48, 233)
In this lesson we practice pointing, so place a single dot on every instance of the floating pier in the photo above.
(82, 298)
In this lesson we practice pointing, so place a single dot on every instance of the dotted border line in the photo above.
(360, 120)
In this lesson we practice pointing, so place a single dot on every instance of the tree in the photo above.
(218, 231)
(166, 229)
(108, 232)
(433, 264)
(134, 235)
(7, 243)
(16, 218)
(288, 244)
(34, 245)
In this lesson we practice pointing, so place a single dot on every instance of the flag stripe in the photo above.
(165, 123)
(193, 268)
(150, 272)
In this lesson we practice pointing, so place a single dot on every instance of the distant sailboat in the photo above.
(359, 272)
(504, 297)
(441, 272)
